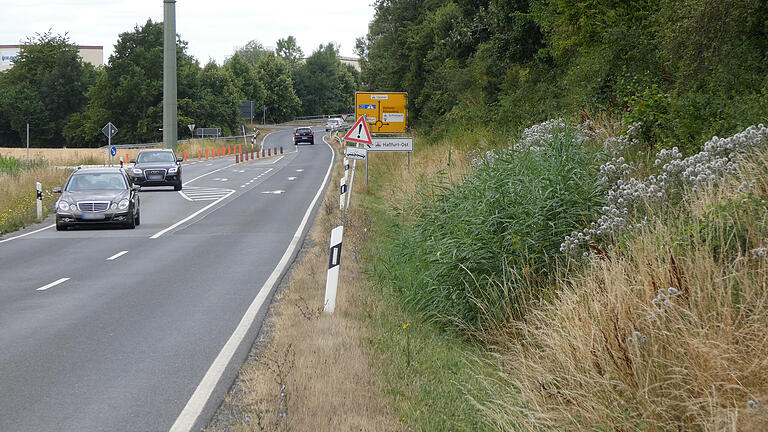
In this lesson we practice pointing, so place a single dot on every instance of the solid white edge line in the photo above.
(159, 233)
(52, 284)
(117, 255)
(196, 403)
(29, 233)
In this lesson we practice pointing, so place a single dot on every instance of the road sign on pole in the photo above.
(359, 132)
(385, 111)
(109, 130)
(392, 144)
(357, 153)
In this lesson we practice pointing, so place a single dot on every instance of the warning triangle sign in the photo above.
(359, 132)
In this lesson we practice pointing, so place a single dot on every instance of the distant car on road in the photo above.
(333, 124)
(303, 134)
(96, 196)
(157, 167)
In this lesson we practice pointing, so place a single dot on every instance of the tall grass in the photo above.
(512, 212)
(668, 333)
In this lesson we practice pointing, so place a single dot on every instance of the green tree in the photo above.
(290, 51)
(46, 86)
(219, 98)
(246, 79)
(130, 93)
(281, 100)
(252, 52)
(323, 84)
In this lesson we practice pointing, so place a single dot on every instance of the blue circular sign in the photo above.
(113, 150)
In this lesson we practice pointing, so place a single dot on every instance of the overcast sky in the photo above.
(213, 28)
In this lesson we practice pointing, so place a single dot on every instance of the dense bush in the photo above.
(505, 221)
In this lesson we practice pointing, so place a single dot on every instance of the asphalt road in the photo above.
(124, 344)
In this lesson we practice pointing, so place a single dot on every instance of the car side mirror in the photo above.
(179, 160)
(136, 187)
(133, 161)
(56, 190)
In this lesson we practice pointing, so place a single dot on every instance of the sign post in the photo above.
(109, 130)
(360, 134)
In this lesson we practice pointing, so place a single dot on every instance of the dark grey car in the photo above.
(98, 196)
(157, 167)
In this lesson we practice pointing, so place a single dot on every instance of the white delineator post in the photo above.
(344, 184)
(332, 282)
(39, 188)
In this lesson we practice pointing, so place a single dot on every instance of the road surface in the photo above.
(118, 330)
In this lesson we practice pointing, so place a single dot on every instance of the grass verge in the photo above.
(371, 365)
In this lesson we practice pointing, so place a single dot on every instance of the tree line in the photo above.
(67, 101)
(684, 69)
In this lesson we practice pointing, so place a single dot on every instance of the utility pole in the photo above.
(170, 113)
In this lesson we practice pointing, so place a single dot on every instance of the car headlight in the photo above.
(123, 204)
(136, 171)
(113, 206)
(172, 170)
(64, 206)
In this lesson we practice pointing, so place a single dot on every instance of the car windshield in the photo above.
(145, 157)
(94, 181)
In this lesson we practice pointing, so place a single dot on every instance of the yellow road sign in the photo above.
(384, 111)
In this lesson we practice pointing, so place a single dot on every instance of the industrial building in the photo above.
(92, 54)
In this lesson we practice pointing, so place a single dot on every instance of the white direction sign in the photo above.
(358, 153)
(109, 130)
(394, 144)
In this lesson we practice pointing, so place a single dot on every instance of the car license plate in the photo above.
(93, 216)
(155, 177)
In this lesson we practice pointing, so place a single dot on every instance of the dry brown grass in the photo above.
(319, 358)
(606, 356)
(57, 156)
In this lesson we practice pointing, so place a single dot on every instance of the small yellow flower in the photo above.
(405, 326)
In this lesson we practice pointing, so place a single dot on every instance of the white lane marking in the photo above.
(301, 170)
(274, 192)
(196, 403)
(52, 284)
(29, 233)
(220, 179)
(274, 161)
(291, 178)
(208, 173)
(159, 233)
(208, 164)
(117, 255)
(194, 193)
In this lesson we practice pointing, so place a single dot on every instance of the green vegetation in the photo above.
(501, 227)
(128, 90)
(687, 70)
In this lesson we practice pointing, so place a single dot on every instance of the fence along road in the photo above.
(128, 327)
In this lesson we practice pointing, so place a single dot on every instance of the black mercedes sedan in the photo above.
(98, 196)
(157, 167)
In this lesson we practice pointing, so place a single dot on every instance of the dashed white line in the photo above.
(117, 255)
(52, 284)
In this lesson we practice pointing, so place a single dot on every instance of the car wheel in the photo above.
(131, 224)
(60, 227)
(177, 187)
(138, 218)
